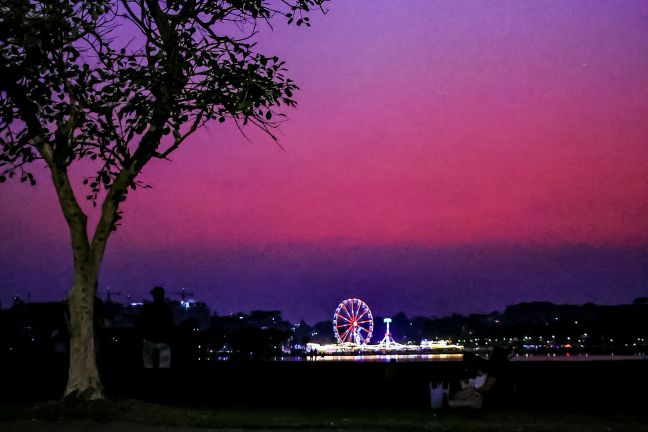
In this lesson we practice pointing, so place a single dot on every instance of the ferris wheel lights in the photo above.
(350, 319)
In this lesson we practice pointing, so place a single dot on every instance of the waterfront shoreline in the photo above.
(591, 385)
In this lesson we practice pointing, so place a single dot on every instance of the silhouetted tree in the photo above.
(640, 301)
(117, 83)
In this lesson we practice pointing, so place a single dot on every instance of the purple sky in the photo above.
(445, 156)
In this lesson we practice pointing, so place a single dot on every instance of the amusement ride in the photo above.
(353, 322)
(353, 327)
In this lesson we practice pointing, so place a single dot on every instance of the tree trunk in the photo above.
(83, 378)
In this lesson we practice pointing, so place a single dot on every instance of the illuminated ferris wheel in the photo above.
(353, 322)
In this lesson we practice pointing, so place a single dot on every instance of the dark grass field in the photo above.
(127, 415)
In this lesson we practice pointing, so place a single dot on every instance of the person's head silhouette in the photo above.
(158, 294)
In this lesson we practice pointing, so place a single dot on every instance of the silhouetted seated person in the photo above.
(489, 383)
(474, 386)
(156, 326)
(502, 393)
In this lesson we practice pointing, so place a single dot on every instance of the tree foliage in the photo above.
(117, 83)
(122, 82)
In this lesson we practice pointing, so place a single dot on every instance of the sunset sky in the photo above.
(445, 156)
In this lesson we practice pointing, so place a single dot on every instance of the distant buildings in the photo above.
(537, 327)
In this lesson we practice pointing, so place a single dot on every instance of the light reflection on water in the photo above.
(458, 357)
(576, 357)
(390, 357)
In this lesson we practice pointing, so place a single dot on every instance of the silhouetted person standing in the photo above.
(156, 325)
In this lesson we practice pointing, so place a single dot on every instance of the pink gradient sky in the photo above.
(430, 123)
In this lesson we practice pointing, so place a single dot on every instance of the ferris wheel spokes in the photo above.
(353, 317)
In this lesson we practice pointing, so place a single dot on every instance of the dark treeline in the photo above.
(537, 326)
(200, 336)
